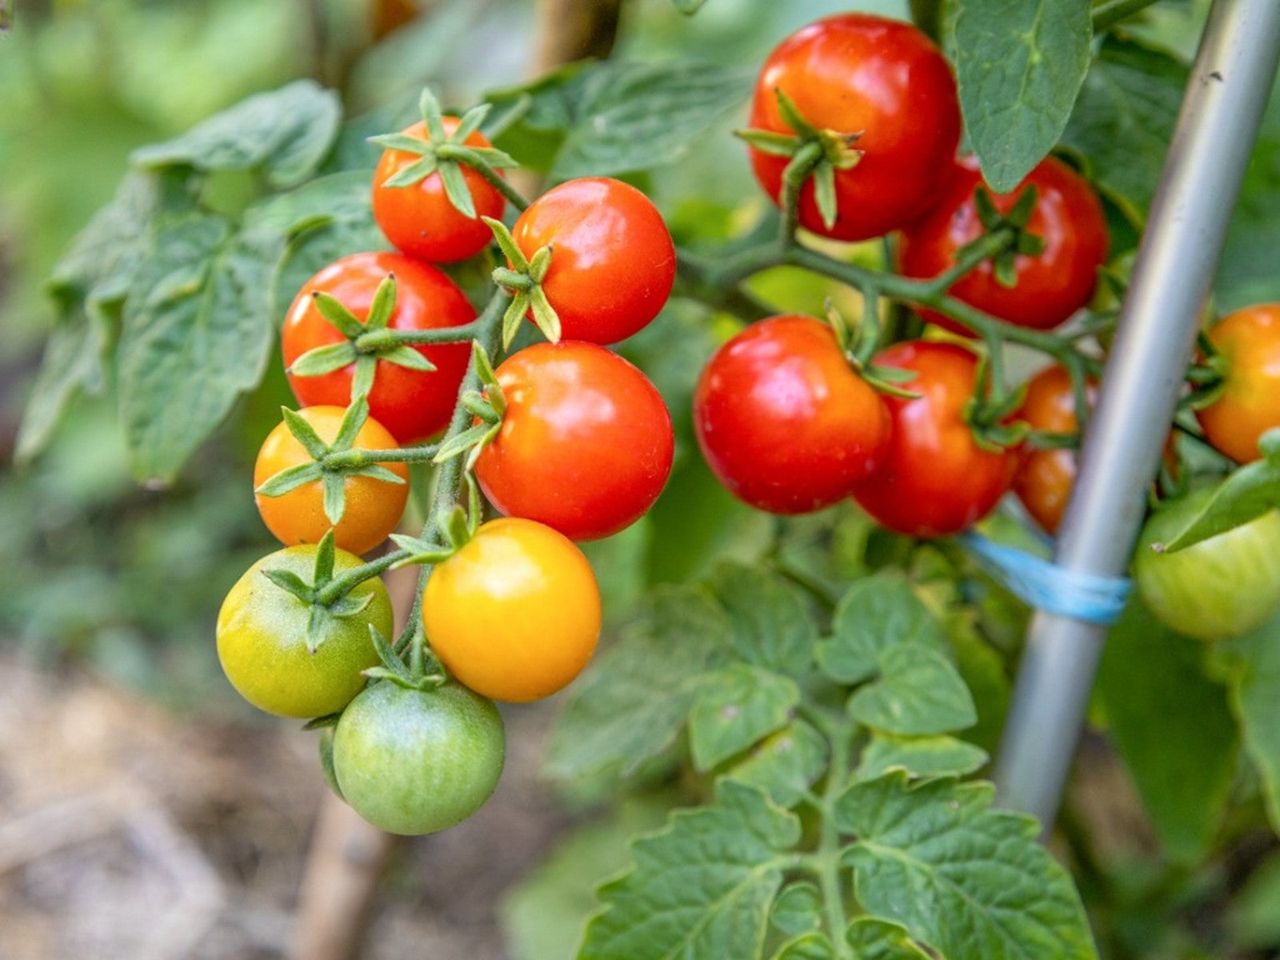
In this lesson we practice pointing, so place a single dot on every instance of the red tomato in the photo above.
(1249, 341)
(419, 219)
(1051, 285)
(412, 404)
(585, 446)
(612, 262)
(881, 79)
(784, 421)
(935, 479)
(1045, 477)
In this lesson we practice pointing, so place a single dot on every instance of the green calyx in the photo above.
(331, 463)
(446, 154)
(323, 612)
(366, 343)
(858, 343)
(815, 152)
(454, 525)
(423, 672)
(1011, 228)
(523, 279)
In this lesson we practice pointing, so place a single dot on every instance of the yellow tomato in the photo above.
(514, 614)
(373, 507)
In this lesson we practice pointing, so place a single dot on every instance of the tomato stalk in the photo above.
(355, 458)
(375, 340)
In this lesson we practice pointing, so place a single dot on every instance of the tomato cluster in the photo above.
(574, 443)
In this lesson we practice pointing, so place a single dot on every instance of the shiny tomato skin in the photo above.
(585, 445)
(882, 79)
(419, 219)
(262, 639)
(373, 507)
(1249, 341)
(783, 420)
(1045, 477)
(515, 614)
(413, 762)
(935, 480)
(412, 404)
(1051, 285)
(613, 262)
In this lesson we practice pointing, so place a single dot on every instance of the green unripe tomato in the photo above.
(262, 639)
(414, 761)
(1218, 588)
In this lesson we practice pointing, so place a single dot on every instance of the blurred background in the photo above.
(145, 811)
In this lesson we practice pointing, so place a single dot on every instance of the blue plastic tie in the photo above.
(1046, 586)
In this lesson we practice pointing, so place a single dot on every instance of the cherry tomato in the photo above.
(373, 507)
(935, 479)
(262, 639)
(1215, 589)
(784, 421)
(585, 444)
(882, 80)
(1050, 286)
(412, 404)
(1045, 477)
(515, 613)
(612, 262)
(1249, 342)
(419, 219)
(418, 761)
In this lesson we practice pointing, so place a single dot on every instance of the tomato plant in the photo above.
(373, 506)
(1248, 345)
(418, 761)
(936, 478)
(408, 400)
(1038, 288)
(263, 639)
(585, 445)
(514, 614)
(783, 419)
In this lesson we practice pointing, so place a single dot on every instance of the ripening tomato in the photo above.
(1051, 285)
(373, 507)
(418, 761)
(1045, 477)
(412, 404)
(1249, 341)
(612, 260)
(514, 614)
(1215, 589)
(585, 444)
(784, 421)
(882, 80)
(935, 479)
(262, 639)
(419, 219)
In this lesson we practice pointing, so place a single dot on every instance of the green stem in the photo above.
(359, 457)
(827, 859)
(376, 340)
(987, 247)
(796, 173)
(501, 184)
(448, 477)
(1110, 12)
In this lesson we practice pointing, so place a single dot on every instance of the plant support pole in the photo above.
(1217, 125)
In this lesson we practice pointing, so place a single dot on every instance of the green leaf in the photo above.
(734, 709)
(785, 764)
(1248, 493)
(876, 939)
(919, 756)
(73, 361)
(700, 888)
(1019, 67)
(1246, 272)
(688, 7)
(971, 882)
(1123, 121)
(631, 703)
(1253, 679)
(798, 909)
(1147, 672)
(285, 133)
(918, 692)
(878, 612)
(196, 335)
(807, 946)
(635, 116)
(985, 673)
(771, 623)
